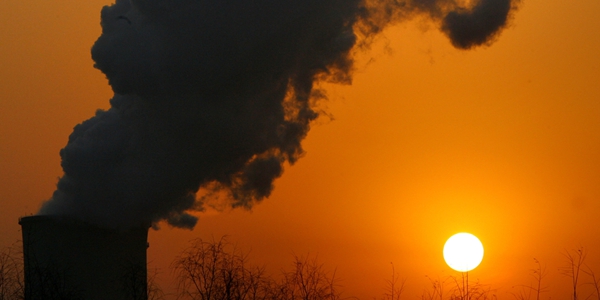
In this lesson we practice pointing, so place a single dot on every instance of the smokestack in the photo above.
(70, 259)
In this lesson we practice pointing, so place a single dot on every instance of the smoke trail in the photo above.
(218, 95)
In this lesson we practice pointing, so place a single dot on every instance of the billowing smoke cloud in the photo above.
(218, 95)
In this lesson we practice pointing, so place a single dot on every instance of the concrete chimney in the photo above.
(66, 258)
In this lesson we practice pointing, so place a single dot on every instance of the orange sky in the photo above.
(501, 141)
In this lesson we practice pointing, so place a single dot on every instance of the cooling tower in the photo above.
(69, 259)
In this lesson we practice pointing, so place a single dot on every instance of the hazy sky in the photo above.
(500, 141)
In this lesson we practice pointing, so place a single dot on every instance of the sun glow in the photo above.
(463, 252)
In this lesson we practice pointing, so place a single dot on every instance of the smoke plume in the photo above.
(218, 95)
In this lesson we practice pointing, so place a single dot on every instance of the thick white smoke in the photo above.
(220, 94)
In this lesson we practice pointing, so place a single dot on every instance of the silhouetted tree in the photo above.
(394, 287)
(535, 289)
(595, 281)
(218, 270)
(575, 262)
(476, 290)
(11, 274)
(308, 281)
(154, 290)
(438, 287)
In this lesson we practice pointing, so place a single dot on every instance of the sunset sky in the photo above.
(502, 141)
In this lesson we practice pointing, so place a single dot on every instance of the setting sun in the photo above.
(463, 252)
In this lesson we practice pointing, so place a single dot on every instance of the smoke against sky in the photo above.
(220, 95)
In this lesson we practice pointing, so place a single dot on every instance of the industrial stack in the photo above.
(65, 258)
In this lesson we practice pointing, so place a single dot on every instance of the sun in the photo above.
(463, 252)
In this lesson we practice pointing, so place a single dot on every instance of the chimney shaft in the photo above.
(70, 259)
